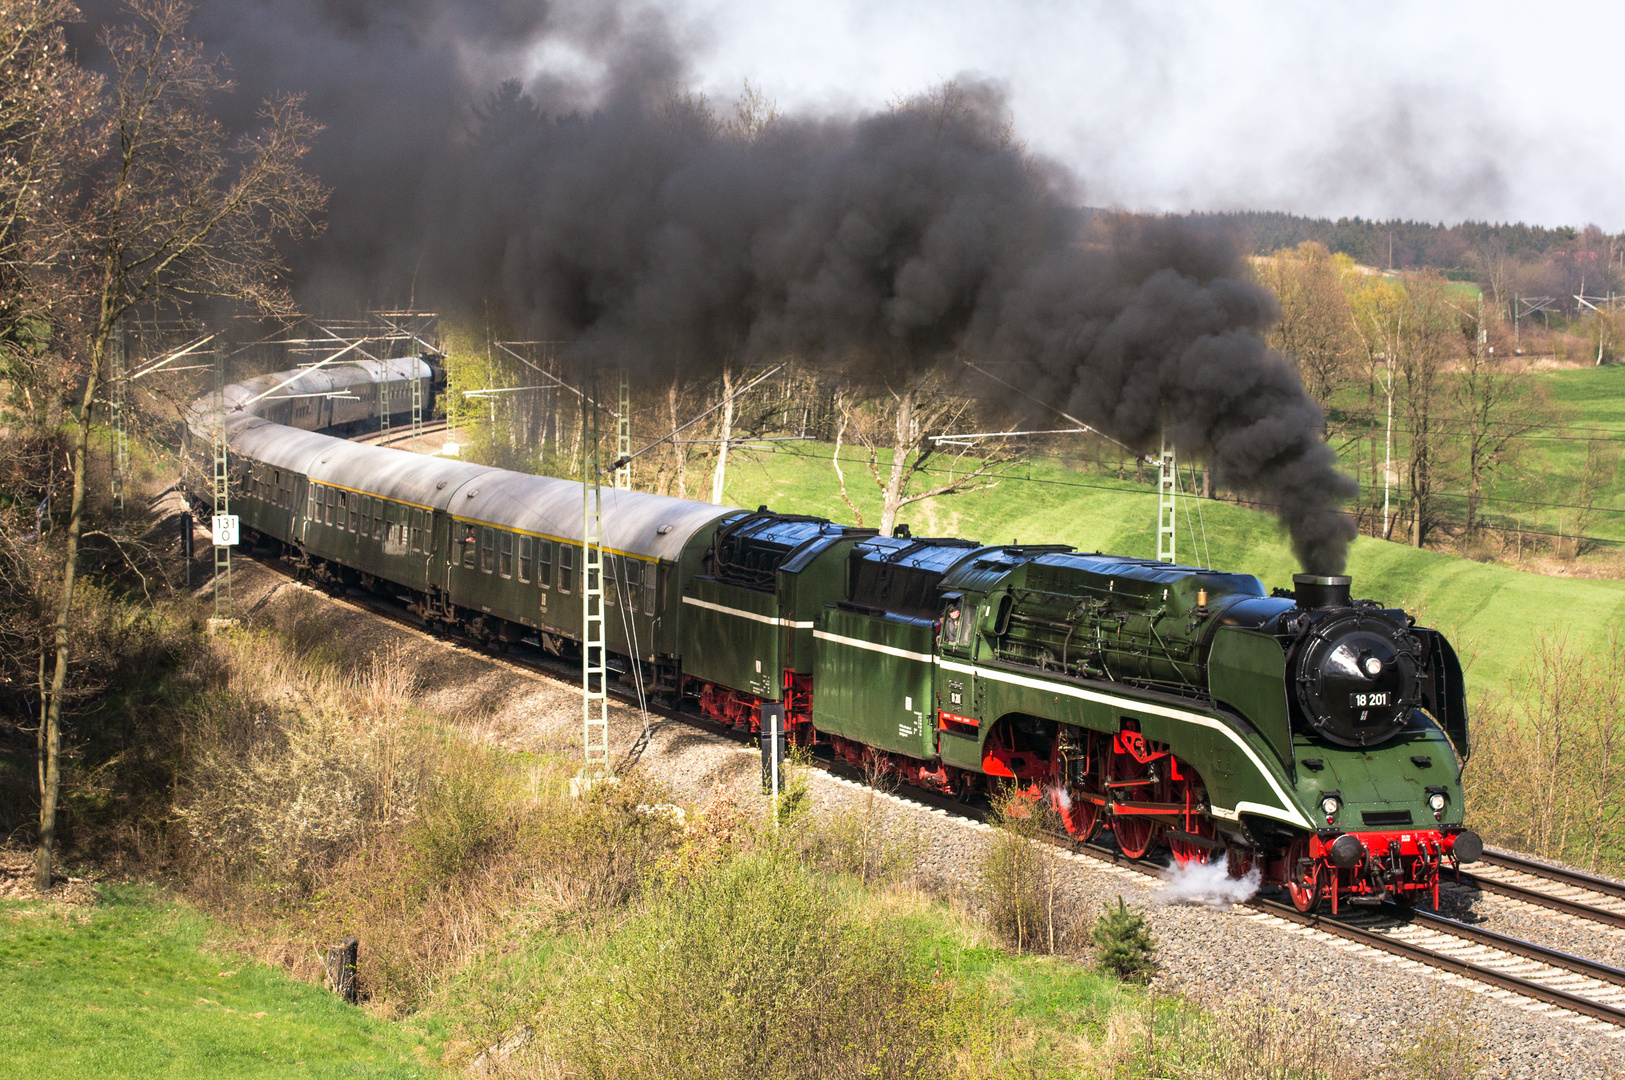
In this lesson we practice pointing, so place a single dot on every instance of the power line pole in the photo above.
(417, 404)
(1167, 480)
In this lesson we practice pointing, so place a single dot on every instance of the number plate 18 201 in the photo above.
(1369, 701)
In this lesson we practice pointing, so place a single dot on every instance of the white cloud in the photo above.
(1428, 110)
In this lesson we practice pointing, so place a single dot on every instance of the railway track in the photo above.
(397, 435)
(1511, 966)
(1574, 893)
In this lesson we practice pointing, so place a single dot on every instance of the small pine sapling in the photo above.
(1124, 941)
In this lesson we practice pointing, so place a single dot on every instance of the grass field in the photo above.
(131, 988)
(1493, 613)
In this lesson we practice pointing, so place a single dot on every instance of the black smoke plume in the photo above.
(610, 209)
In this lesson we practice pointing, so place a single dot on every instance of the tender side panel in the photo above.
(733, 637)
(873, 681)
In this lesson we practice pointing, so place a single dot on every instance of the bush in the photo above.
(286, 769)
(1124, 941)
(1021, 878)
(753, 968)
(864, 839)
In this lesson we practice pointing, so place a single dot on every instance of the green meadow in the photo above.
(133, 986)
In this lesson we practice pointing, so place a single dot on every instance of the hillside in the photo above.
(1493, 613)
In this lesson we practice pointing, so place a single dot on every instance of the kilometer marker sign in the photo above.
(225, 530)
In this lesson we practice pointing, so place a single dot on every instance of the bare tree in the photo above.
(174, 212)
(45, 104)
(899, 427)
(843, 419)
(1498, 402)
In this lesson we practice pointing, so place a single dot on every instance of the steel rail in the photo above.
(1576, 878)
(1541, 899)
(1591, 969)
(1421, 954)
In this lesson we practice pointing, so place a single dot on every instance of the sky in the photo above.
(1436, 111)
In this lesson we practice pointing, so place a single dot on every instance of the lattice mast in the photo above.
(1167, 479)
(594, 670)
(386, 403)
(623, 436)
(417, 407)
(222, 490)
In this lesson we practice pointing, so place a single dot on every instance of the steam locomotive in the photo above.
(1314, 739)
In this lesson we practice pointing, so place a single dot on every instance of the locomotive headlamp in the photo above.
(1373, 666)
(1436, 801)
(1328, 806)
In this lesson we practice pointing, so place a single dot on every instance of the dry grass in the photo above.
(1547, 775)
(318, 803)
(866, 837)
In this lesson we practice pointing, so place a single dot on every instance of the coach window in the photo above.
(651, 576)
(332, 504)
(312, 493)
(355, 511)
(488, 549)
(382, 511)
(544, 564)
(470, 539)
(417, 530)
(505, 554)
(524, 558)
(567, 558)
(366, 515)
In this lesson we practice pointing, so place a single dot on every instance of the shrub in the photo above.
(1124, 941)
(1021, 878)
(1547, 774)
(1447, 1047)
(752, 968)
(864, 838)
(285, 769)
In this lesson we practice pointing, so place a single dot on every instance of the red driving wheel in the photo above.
(1189, 793)
(1136, 833)
(1081, 817)
(1302, 876)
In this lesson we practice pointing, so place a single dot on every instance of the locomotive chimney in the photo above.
(1317, 591)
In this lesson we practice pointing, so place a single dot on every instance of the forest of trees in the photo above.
(1508, 260)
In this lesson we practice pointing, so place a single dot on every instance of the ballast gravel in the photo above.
(1377, 1003)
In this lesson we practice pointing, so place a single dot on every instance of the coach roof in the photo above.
(654, 526)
